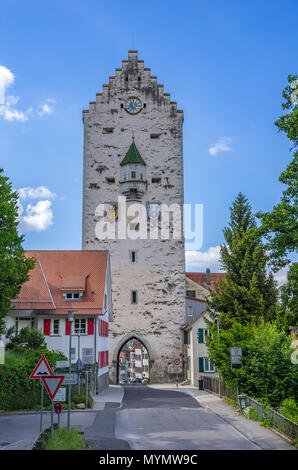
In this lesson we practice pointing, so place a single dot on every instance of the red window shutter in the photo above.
(100, 327)
(90, 326)
(107, 329)
(107, 358)
(99, 360)
(67, 327)
(47, 326)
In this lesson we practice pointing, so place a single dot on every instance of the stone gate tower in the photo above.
(133, 149)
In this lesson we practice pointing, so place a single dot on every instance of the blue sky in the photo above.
(224, 62)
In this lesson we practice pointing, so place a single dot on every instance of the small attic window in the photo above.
(74, 296)
(156, 180)
(108, 130)
(154, 136)
(110, 179)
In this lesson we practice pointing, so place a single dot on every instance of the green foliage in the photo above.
(248, 292)
(28, 338)
(65, 439)
(252, 414)
(289, 409)
(80, 398)
(267, 373)
(14, 266)
(280, 226)
(287, 312)
(17, 391)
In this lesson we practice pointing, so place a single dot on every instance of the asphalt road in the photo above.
(149, 419)
(152, 419)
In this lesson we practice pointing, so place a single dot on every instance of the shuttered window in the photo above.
(47, 326)
(200, 335)
(90, 326)
(201, 364)
(186, 337)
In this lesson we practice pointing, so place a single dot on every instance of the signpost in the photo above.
(52, 384)
(42, 369)
(69, 379)
(58, 408)
(177, 364)
(236, 353)
(61, 364)
(61, 394)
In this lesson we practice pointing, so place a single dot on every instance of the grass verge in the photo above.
(65, 439)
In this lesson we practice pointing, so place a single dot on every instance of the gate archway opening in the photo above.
(133, 363)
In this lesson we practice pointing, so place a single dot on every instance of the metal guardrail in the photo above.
(282, 423)
(211, 384)
(257, 406)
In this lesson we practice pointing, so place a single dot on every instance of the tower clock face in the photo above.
(133, 105)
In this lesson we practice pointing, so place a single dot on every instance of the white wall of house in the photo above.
(195, 350)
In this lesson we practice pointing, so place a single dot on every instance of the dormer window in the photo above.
(72, 296)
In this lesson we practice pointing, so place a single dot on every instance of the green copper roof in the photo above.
(132, 156)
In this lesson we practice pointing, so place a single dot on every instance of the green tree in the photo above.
(266, 372)
(280, 226)
(14, 266)
(28, 338)
(248, 291)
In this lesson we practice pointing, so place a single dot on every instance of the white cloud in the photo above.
(201, 259)
(36, 193)
(38, 217)
(8, 105)
(6, 79)
(281, 276)
(220, 146)
(46, 109)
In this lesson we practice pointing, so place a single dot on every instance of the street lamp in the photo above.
(70, 320)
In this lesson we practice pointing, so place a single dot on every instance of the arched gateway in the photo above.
(133, 151)
(133, 364)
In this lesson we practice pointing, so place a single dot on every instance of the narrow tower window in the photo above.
(134, 296)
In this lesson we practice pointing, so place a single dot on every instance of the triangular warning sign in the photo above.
(52, 384)
(42, 369)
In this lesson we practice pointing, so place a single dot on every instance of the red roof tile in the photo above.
(207, 280)
(74, 270)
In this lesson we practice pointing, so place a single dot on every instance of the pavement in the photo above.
(154, 417)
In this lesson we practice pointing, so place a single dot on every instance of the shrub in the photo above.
(289, 409)
(27, 338)
(17, 391)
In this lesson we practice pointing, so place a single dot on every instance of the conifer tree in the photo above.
(248, 292)
(14, 266)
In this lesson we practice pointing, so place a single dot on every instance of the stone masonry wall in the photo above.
(159, 273)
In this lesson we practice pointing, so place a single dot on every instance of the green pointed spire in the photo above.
(133, 155)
